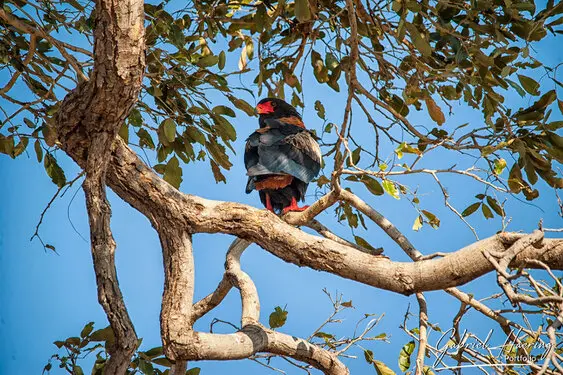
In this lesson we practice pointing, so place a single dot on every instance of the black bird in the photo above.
(281, 157)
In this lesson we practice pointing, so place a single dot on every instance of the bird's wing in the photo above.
(252, 161)
(290, 150)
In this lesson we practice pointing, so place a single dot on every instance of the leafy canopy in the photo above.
(396, 59)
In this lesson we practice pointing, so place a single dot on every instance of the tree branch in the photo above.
(255, 338)
(177, 299)
(138, 185)
(182, 343)
(243, 282)
(92, 115)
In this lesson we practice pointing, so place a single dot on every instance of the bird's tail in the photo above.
(250, 184)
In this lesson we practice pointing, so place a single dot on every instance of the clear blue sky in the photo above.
(46, 297)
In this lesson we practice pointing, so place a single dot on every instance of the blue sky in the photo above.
(46, 296)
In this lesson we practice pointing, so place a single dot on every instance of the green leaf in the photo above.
(471, 209)
(87, 329)
(302, 11)
(162, 361)
(500, 165)
(515, 182)
(146, 367)
(124, 132)
(372, 185)
(224, 128)
(368, 355)
(20, 147)
(54, 171)
(154, 352)
(173, 172)
(396, 103)
(347, 304)
(207, 61)
(29, 123)
(495, 205)
(145, 139)
(6, 145)
(135, 117)
(59, 344)
(391, 189)
(223, 110)
(324, 335)
(169, 129)
(529, 84)
(319, 107)
(516, 87)
(405, 356)
(195, 135)
(404, 147)
(545, 100)
(38, 150)
(193, 371)
(319, 69)
(350, 216)
(104, 334)
(487, 211)
(195, 110)
(73, 341)
(222, 60)
(363, 243)
(219, 177)
(419, 40)
(278, 318)
(417, 223)
(217, 151)
(330, 61)
(322, 180)
(356, 154)
(432, 219)
(77, 370)
(243, 106)
(382, 369)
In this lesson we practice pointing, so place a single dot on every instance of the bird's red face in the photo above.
(265, 108)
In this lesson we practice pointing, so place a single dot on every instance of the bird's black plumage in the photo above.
(281, 157)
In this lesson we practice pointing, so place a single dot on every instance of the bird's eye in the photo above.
(273, 104)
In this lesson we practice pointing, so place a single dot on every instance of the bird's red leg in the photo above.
(269, 203)
(294, 207)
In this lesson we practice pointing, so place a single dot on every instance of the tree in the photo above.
(108, 75)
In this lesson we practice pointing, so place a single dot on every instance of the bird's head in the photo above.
(275, 108)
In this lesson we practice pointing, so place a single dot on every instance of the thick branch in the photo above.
(254, 338)
(138, 185)
(182, 343)
(177, 300)
(88, 120)
(243, 282)
(109, 294)
(422, 334)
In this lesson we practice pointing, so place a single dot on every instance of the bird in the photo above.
(281, 157)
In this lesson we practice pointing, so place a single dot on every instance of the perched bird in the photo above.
(281, 157)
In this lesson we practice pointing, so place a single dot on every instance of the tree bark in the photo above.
(89, 120)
